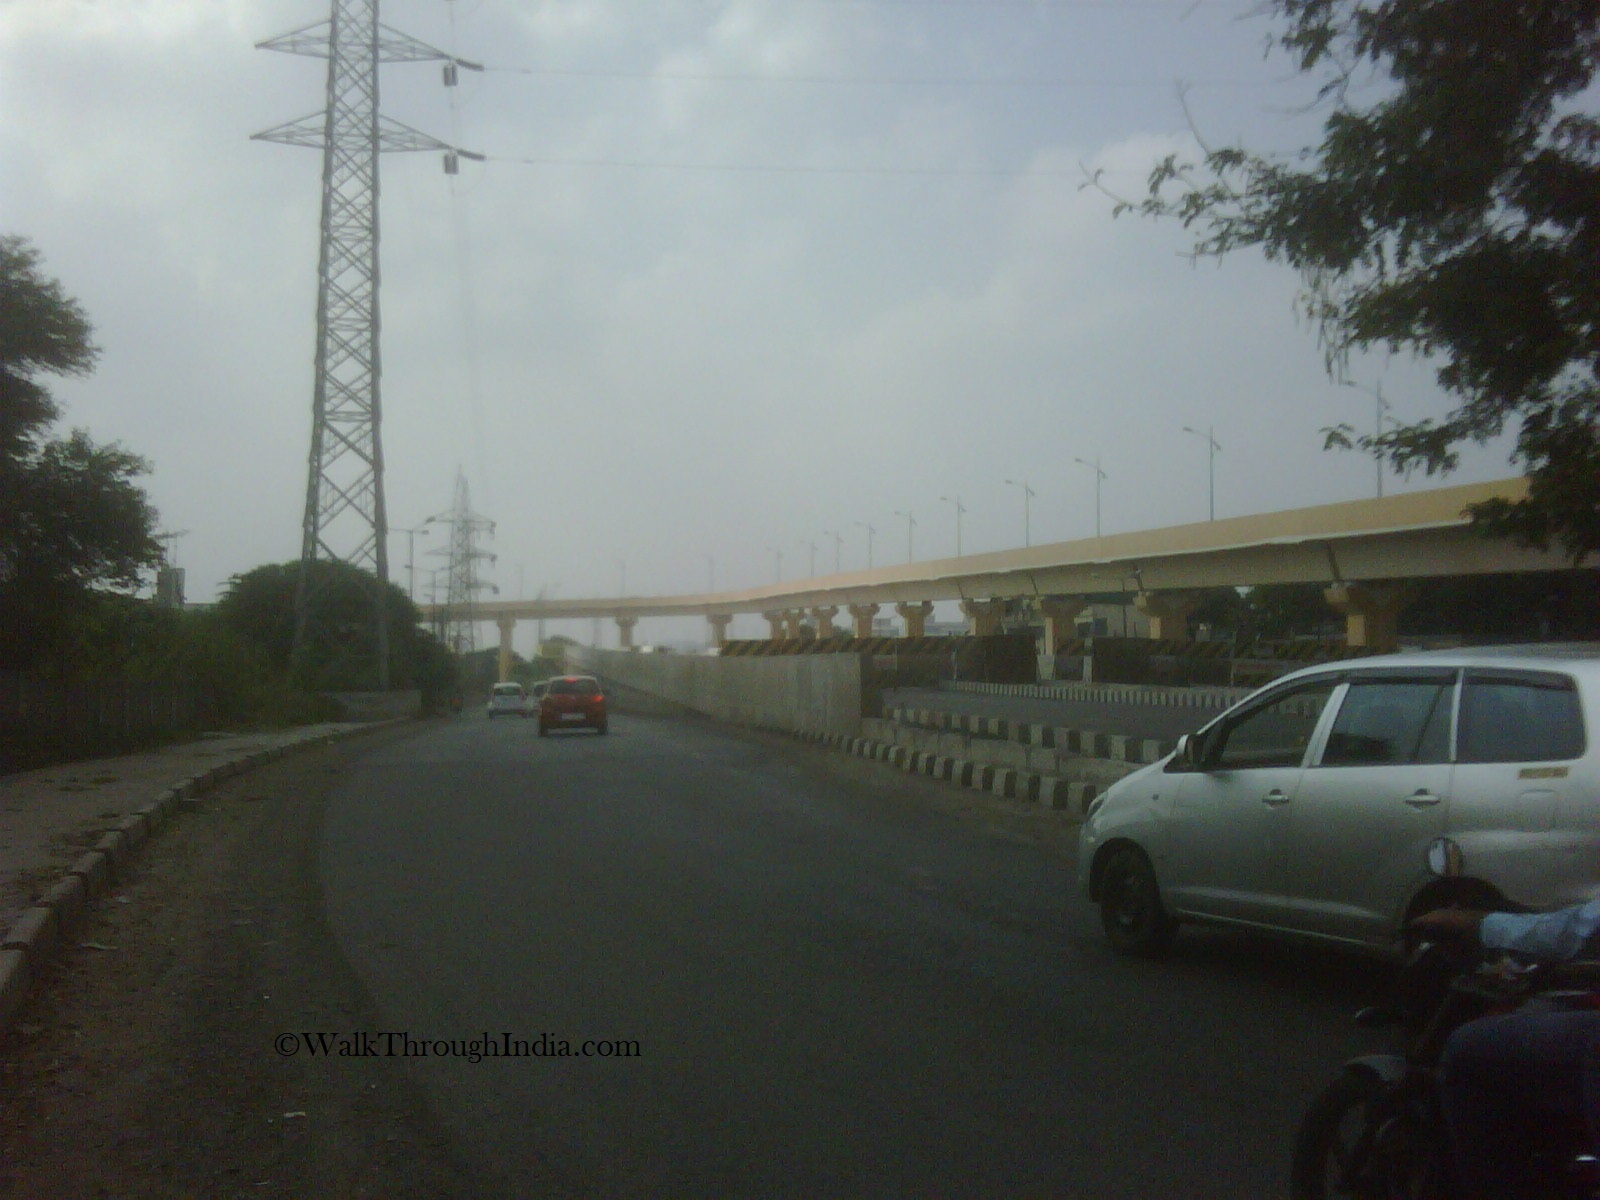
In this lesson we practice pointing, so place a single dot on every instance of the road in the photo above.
(842, 980)
(838, 982)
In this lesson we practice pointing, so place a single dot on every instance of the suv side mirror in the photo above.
(1187, 754)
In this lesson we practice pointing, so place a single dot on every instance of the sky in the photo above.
(740, 284)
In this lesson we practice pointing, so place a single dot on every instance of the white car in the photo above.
(508, 700)
(1344, 799)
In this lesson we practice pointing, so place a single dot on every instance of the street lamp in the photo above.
(960, 508)
(777, 562)
(1027, 518)
(711, 573)
(813, 546)
(411, 554)
(870, 531)
(911, 525)
(1211, 467)
(1099, 477)
(838, 548)
(1380, 411)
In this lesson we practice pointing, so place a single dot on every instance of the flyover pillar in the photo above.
(625, 631)
(719, 628)
(775, 621)
(863, 615)
(1060, 617)
(794, 623)
(1168, 612)
(507, 624)
(824, 615)
(1371, 612)
(916, 617)
(983, 616)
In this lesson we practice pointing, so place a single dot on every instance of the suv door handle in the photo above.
(1422, 799)
(1276, 798)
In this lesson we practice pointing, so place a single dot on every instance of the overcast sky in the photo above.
(736, 277)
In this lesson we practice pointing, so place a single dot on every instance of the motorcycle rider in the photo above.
(1504, 1073)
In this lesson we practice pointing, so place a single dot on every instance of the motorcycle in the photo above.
(1377, 1132)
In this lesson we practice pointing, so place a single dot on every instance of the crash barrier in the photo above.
(801, 693)
(997, 658)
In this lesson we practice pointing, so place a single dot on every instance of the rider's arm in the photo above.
(1551, 936)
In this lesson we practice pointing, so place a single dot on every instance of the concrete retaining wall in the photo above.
(806, 693)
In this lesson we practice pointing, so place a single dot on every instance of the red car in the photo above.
(571, 702)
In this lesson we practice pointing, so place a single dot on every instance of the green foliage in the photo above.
(340, 644)
(72, 521)
(1456, 216)
(1288, 610)
(1547, 606)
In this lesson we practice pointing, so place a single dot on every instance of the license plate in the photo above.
(572, 716)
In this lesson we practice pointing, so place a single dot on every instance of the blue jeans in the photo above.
(1507, 1076)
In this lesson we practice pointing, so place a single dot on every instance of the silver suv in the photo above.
(1344, 799)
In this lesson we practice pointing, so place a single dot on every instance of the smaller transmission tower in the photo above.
(457, 627)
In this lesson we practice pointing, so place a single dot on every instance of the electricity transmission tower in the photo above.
(458, 628)
(345, 518)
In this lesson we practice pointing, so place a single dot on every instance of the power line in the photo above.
(862, 80)
(788, 168)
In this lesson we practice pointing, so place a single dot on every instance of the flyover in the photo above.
(1365, 551)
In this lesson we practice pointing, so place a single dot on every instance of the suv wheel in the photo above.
(1130, 906)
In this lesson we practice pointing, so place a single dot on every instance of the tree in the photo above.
(340, 652)
(1456, 217)
(72, 521)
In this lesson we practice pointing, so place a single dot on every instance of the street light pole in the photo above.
(911, 525)
(838, 548)
(1380, 410)
(1211, 467)
(813, 547)
(1099, 476)
(711, 573)
(870, 531)
(960, 508)
(1027, 519)
(411, 554)
(777, 562)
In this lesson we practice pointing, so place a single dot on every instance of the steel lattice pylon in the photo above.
(457, 627)
(345, 519)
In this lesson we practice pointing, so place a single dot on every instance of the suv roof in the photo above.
(1555, 654)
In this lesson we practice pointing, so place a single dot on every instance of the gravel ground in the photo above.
(146, 1066)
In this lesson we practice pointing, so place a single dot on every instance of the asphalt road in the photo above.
(841, 980)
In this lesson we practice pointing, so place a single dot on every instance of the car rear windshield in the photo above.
(1519, 716)
(508, 689)
(574, 687)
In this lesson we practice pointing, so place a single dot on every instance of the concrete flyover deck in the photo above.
(1361, 549)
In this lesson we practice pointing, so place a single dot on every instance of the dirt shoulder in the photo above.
(147, 1065)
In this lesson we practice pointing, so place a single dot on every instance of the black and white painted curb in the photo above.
(1112, 747)
(1071, 797)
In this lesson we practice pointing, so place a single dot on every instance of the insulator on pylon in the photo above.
(450, 75)
(452, 164)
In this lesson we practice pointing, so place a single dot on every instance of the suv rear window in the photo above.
(1519, 716)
